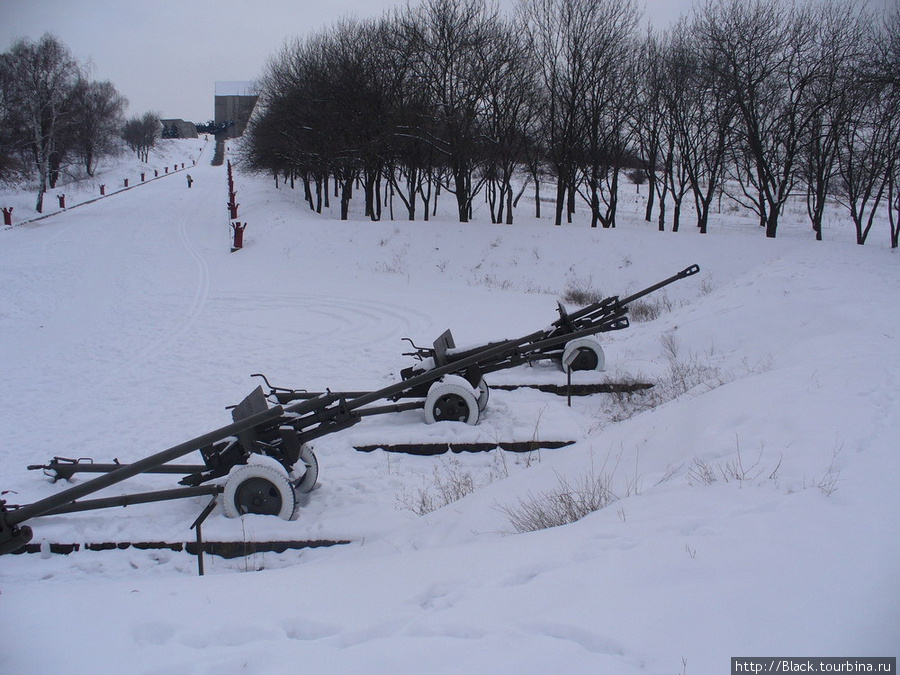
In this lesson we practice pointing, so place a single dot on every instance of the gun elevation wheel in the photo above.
(586, 352)
(260, 489)
(451, 400)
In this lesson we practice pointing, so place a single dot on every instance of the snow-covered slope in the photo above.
(753, 514)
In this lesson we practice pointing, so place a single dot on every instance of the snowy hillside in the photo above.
(752, 506)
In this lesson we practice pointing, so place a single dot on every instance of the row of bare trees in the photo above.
(804, 100)
(53, 116)
(757, 101)
(141, 133)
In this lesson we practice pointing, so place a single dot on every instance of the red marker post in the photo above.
(238, 235)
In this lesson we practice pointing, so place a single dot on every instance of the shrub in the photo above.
(579, 292)
(450, 482)
(650, 308)
(565, 504)
(682, 375)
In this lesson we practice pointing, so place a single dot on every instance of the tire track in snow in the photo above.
(201, 295)
(333, 316)
(170, 336)
(313, 337)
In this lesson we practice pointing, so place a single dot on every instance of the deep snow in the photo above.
(756, 513)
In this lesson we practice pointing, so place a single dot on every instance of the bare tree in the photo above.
(577, 45)
(11, 140)
(648, 117)
(839, 47)
(866, 148)
(509, 118)
(608, 91)
(288, 133)
(357, 108)
(450, 42)
(97, 114)
(140, 133)
(886, 72)
(557, 29)
(766, 57)
(40, 78)
(701, 111)
(413, 158)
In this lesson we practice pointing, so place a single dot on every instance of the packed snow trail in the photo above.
(116, 283)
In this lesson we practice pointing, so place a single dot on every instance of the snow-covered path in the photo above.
(110, 289)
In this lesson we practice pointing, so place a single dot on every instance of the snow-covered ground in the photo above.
(755, 514)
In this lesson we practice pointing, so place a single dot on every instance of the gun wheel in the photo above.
(588, 354)
(259, 489)
(308, 481)
(451, 400)
(484, 395)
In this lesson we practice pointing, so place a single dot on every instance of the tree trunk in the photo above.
(595, 197)
(570, 201)
(651, 180)
(462, 194)
(89, 166)
(613, 209)
(491, 197)
(771, 222)
(413, 189)
(702, 220)
(307, 192)
(346, 196)
(378, 196)
(426, 199)
(815, 207)
(662, 212)
(894, 213)
(560, 200)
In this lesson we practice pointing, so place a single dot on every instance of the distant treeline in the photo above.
(756, 100)
(54, 117)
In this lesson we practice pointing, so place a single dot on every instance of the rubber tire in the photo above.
(484, 395)
(272, 488)
(596, 359)
(308, 481)
(456, 392)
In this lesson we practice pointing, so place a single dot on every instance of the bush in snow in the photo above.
(580, 292)
(683, 374)
(450, 482)
(568, 502)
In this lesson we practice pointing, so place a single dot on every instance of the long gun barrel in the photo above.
(614, 303)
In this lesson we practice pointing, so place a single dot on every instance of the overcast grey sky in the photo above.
(166, 55)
